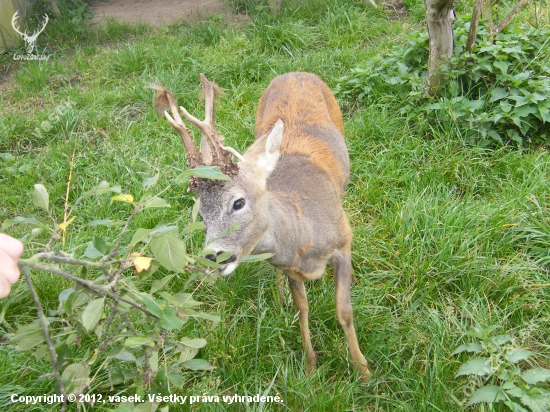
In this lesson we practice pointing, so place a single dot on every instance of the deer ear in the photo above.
(269, 159)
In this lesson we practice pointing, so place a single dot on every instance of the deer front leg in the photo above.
(341, 266)
(298, 291)
(280, 282)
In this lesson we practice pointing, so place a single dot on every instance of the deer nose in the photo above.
(213, 257)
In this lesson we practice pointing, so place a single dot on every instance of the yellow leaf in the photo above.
(124, 198)
(142, 263)
(63, 226)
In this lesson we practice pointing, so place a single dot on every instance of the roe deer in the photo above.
(285, 192)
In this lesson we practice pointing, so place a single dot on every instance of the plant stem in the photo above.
(49, 343)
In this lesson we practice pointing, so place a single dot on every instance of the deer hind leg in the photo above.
(298, 291)
(341, 266)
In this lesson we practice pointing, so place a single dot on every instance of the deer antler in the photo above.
(37, 32)
(165, 100)
(14, 22)
(213, 151)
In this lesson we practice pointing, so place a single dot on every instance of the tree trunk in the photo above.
(474, 24)
(487, 14)
(440, 18)
(274, 6)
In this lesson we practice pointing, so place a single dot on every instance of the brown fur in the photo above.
(291, 182)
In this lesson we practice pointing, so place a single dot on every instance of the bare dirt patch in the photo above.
(157, 12)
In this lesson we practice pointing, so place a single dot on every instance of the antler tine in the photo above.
(14, 22)
(164, 100)
(37, 32)
(216, 153)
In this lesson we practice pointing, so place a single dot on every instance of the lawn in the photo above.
(447, 236)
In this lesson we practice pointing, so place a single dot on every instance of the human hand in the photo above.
(10, 252)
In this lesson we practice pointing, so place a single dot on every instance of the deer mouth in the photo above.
(228, 269)
(229, 266)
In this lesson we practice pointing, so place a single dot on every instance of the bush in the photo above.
(117, 324)
(496, 95)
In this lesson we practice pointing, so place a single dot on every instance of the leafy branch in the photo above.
(114, 307)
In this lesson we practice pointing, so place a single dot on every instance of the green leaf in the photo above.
(468, 347)
(29, 341)
(176, 379)
(516, 355)
(99, 244)
(169, 320)
(488, 394)
(160, 283)
(96, 248)
(106, 222)
(537, 402)
(139, 235)
(193, 343)
(205, 172)
(92, 313)
(476, 366)
(525, 110)
(40, 197)
(502, 65)
(505, 106)
(207, 316)
(223, 256)
(191, 227)
(256, 258)
(154, 361)
(536, 375)
(152, 306)
(495, 136)
(501, 339)
(138, 341)
(514, 407)
(125, 356)
(28, 221)
(198, 365)
(155, 202)
(75, 376)
(498, 93)
(103, 187)
(150, 181)
(516, 392)
(169, 251)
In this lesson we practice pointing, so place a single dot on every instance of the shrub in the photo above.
(497, 94)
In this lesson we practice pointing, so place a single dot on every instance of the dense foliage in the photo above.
(497, 94)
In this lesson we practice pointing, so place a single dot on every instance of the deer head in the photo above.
(30, 41)
(239, 202)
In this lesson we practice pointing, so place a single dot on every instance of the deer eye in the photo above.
(238, 204)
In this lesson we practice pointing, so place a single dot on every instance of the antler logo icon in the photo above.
(30, 41)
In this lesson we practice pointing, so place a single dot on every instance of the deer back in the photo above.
(308, 224)
(314, 130)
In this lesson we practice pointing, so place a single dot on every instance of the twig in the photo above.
(114, 250)
(66, 208)
(24, 264)
(506, 21)
(61, 257)
(44, 324)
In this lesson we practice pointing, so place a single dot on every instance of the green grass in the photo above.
(446, 236)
